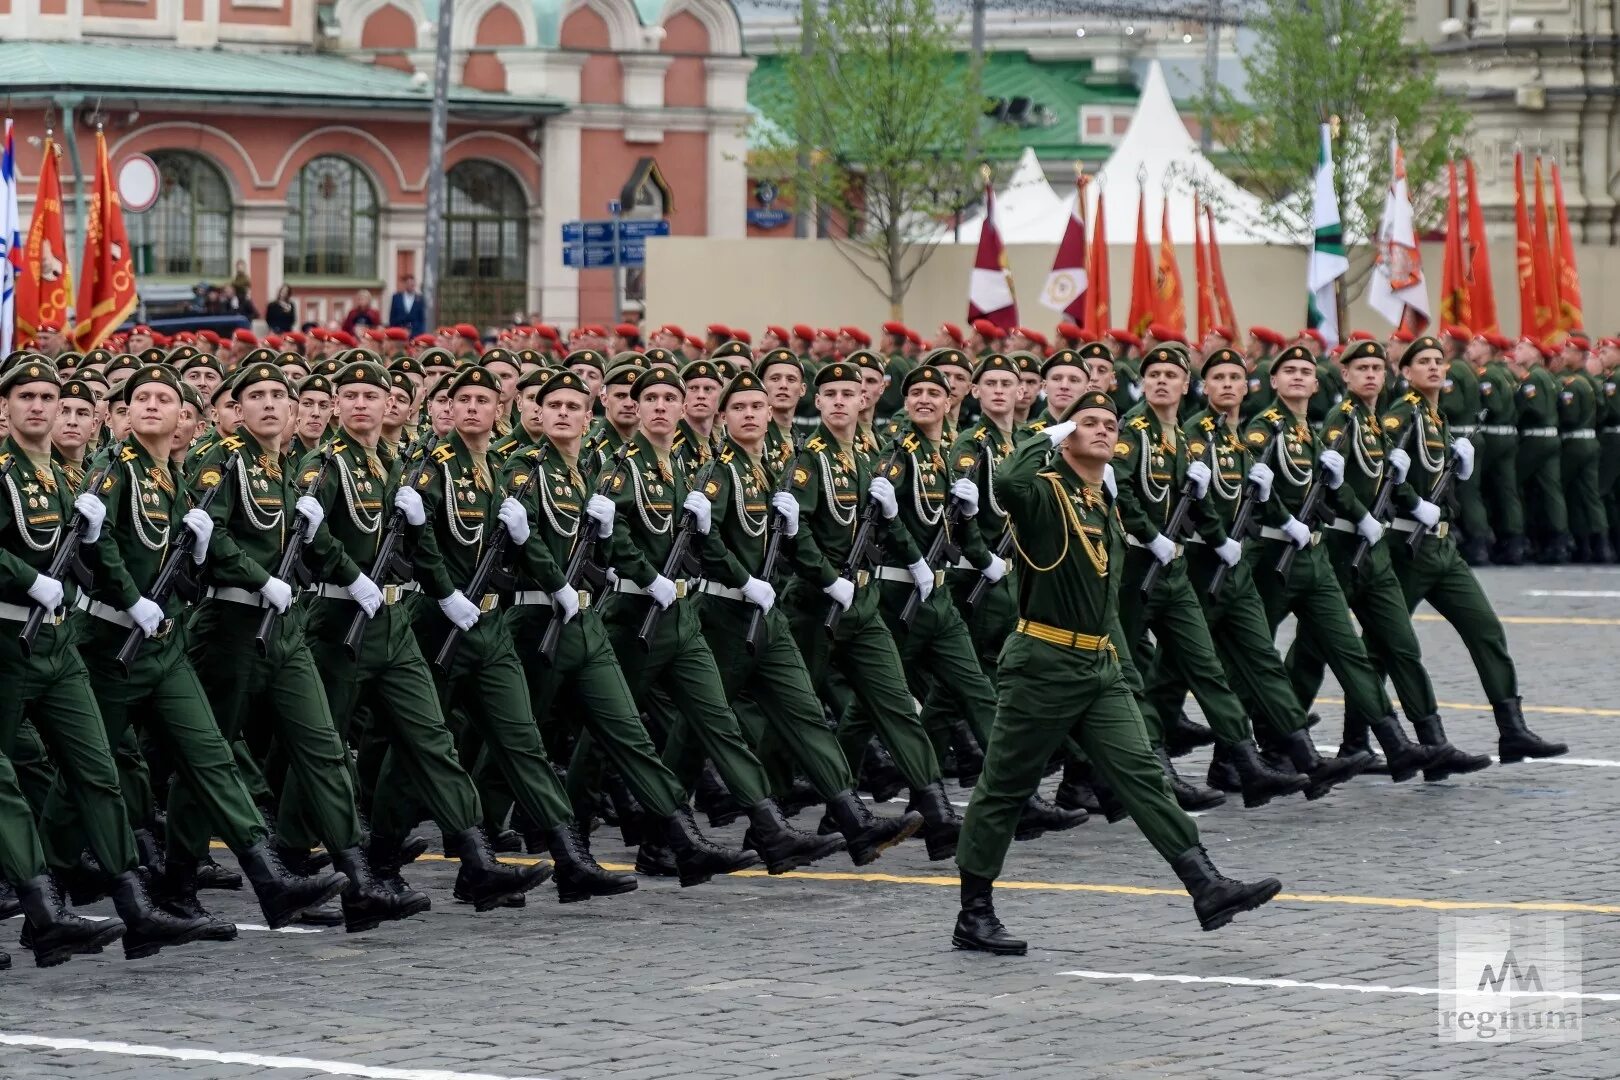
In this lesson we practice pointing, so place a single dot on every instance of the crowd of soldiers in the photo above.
(300, 596)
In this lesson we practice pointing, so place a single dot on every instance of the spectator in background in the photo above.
(405, 310)
(281, 313)
(242, 290)
(362, 314)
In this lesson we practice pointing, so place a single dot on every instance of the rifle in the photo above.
(168, 578)
(387, 550)
(579, 564)
(290, 556)
(678, 548)
(1307, 511)
(67, 552)
(1245, 511)
(862, 543)
(1172, 529)
(942, 545)
(489, 562)
(773, 547)
(1380, 506)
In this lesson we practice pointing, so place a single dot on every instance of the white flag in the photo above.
(10, 240)
(1397, 291)
(1328, 262)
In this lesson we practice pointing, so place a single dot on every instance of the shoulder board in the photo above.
(1207, 423)
(815, 445)
(1140, 423)
(910, 442)
(1272, 414)
(726, 456)
(337, 446)
(1037, 425)
(632, 452)
(1412, 399)
(442, 453)
(982, 435)
(231, 442)
(129, 454)
(1347, 407)
(532, 452)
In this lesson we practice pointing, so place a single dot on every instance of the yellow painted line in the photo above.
(1468, 706)
(1532, 620)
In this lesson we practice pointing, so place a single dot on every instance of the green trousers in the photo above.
(1579, 462)
(1182, 644)
(1374, 594)
(680, 665)
(1541, 478)
(52, 690)
(988, 622)
(391, 680)
(1471, 512)
(32, 763)
(1609, 475)
(21, 858)
(863, 651)
(1047, 693)
(281, 690)
(1438, 574)
(1498, 461)
(163, 695)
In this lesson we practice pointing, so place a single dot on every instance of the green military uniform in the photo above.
(1609, 454)
(1330, 389)
(1498, 461)
(1461, 401)
(893, 400)
(1540, 461)
(1579, 398)
(978, 453)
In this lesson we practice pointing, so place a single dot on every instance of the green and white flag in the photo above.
(1328, 262)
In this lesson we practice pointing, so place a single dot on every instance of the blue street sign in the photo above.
(632, 252)
(768, 218)
(613, 206)
(587, 232)
(636, 228)
(588, 256)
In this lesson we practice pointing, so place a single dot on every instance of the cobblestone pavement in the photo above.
(851, 974)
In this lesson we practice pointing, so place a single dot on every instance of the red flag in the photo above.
(107, 292)
(1096, 320)
(1530, 322)
(1144, 299)
(1065, 289)
(1455, 303)
(1568, 275)
(1546, 280)
(1172, 309)
(1482, 293)
(1224, 314)
(1206, 294)
(990, 292)
(45, 286)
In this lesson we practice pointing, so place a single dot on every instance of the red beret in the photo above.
(1605, 342)
(781, 334)
(801, 330)
(1403, 336)
(858, 334)
(295, 337)
(627, 330)
(397, 333)
(1125, 337)
(1458, 332)
(719, 328)
(914, 337)
(1497, 341)
(898, 329)
(342, 337)
(159, 339)
(424, 340)
(827, 332)
(1069, 331)
(672, 330)
(467, 330)
(1224, 331)
(694, 341)
(1362, 335)
(273, 341)
(1166, 332)
(140, 328)
(743, 336)
(1036, 336)
(1315, 335)
(1268, 335)
(547, 331)
(952, 331)
(987, 329)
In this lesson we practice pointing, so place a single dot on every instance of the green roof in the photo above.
(1062, 86)
(167, 73)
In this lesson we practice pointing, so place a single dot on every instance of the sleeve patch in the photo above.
(309, 476)
(894, 471)
(618, 481)
(1391, 423)
(108, 484)
(801, 476)
(1122, 449)
(1196, 449)
(424, 480)
(1257, 438)
(711, 489)
(209, 477)
(965, 461)
(518, 480)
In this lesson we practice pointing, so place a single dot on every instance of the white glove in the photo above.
(202, 527)
(697, 504)
(1260, 475)
(364, 592)
(1135, 390)
(600, 509)
(967, 493)
(516, 520)
(309, 508)
(1370, 529)
(409, 503)
(1198, 473)
(662, 590)
(1400, 463)
(1297, 532)
(1109, 484)
(1426, 512)
(1163, 549)
(1058, 432)
(1229, 551)
(92, 513)
(47, 592)
(883, 492)
(842, 592)
(147, 615)
(1465, 457)
(759, 593)
(567, 602)
(996, 570)
(1332, 463)
(786, 505)
(610, 575)
(460, 611)
(923, 575)
(278, 593)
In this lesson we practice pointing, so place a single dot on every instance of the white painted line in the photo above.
(1592, 594)
(1581, 762)
(239, 926)
(331, 1068)
(1295, 984)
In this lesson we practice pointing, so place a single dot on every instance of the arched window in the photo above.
(187, 232)
(331, 221)
(486, 252)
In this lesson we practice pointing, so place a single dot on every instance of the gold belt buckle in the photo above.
(584, 599)
(390, 594)
(1316, 538)
(163, 629)
(680, 589)
(489, 602)
(863, 578)
(57, 618)
(1442, 529)
(939, 579)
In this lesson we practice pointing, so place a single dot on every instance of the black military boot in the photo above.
(86, 882)
(1475, 551)
(483, 881)
(977, 927)
(9, 904)
(211, 875)
(782, 846)
(801, 796)
(1223, 774)
(866, 835)
(941, 823)
(1515, 740)
(880, 777)
(1040, 817)
(969, 754)
(176, 894)
(579, 877)
(625, 807)
(655, 860)
(1358, 740)
(504, 841)
(150, 926)
(1189, 796)
(1183, 735)
(1217, 898)
(1261, 782)
(698, 858)
(712, 797)
(149, 851)
(1602, 553)
(1112, 809)
(1509, 551)
(1322, 774)
(56, 934)
(1451, 761)
(1405, 757)
(369, 901)
(282, 895)
(1074, 791)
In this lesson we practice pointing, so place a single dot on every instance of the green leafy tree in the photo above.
(1316, 60)
(879, 126)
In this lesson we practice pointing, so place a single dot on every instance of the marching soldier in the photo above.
(1539, 456)
(1579, 398)
(1499, 448)
(1463, 403)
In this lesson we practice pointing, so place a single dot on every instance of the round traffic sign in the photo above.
(138, 183)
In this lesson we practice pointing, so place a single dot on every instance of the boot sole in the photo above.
(1254, 799)
(371, 922)
(1227, 914)
(1200, 804)
(1034, 832)
(1513, 757)
(284, 918)
(970, 945)
(830, 844)
(748, 861)
(61, 954)
(574, 896)
(941, 849)
(152, 948)
(866, 856)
